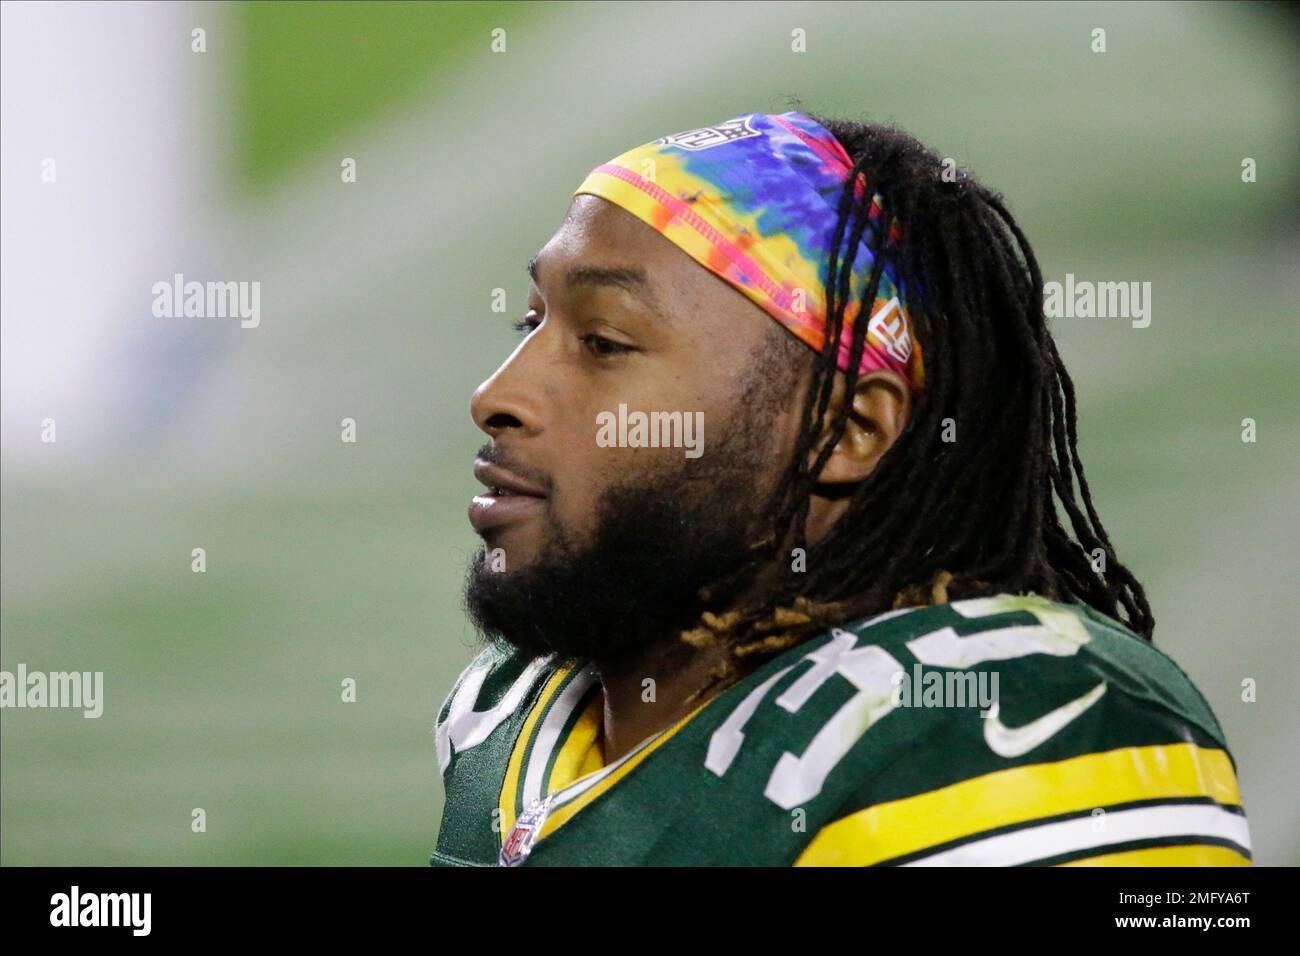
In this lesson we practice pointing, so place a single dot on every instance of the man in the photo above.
(769, 583)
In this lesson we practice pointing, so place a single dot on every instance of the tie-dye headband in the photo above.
(754, 200)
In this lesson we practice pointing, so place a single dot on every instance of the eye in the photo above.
(526, 325)
(602, 347)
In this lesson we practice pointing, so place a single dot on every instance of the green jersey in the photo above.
(995, 731)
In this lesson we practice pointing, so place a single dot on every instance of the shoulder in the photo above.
(491, 690)
(1039, 651)
(921, 731)
(476, 729)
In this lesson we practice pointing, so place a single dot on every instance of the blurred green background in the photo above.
(329, 560)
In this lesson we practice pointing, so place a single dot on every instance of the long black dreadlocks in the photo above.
(936, 518)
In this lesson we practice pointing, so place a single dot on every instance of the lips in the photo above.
(508, 498)
(499, 479)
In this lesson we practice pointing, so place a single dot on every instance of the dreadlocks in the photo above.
(971, 517)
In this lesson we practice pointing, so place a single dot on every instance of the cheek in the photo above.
(589, 472)
(592, 446)
(580, 477)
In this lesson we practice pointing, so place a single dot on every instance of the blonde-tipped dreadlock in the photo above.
(788, 627)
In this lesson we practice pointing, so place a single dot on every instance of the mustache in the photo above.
(493, 455)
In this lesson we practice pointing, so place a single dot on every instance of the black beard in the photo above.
(622, 601)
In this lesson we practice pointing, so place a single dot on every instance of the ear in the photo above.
(882, 406)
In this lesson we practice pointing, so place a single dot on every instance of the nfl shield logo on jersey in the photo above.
(519, 841)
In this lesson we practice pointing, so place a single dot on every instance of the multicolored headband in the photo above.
(754, 200)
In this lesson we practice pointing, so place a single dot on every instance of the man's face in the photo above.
(621, 316)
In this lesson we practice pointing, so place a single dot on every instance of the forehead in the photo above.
(593, 225)
(595, 232)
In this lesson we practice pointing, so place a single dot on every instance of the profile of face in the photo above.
(597, 549)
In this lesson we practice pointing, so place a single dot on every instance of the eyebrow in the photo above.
(631, 279)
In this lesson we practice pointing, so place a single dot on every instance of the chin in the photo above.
(508, 550)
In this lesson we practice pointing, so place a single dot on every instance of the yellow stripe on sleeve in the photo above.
(1020, 795)
(1195, 855)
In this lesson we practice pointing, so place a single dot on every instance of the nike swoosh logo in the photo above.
(1014, 741)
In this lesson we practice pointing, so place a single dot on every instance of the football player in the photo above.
(866, 612)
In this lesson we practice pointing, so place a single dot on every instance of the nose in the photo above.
(510, 399)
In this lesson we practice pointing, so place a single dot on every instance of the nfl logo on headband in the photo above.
(707, 136)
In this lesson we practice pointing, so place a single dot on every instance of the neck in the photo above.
(682, 676)
(642, 701)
